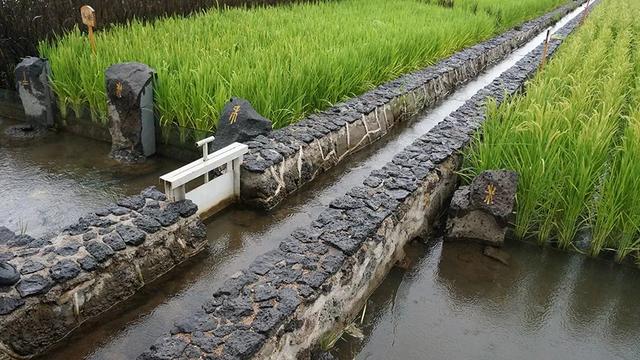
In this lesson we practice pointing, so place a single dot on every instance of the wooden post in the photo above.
(585, 12)
(89, 19)
(545, 51)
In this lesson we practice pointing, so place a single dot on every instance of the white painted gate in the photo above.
(213, 192)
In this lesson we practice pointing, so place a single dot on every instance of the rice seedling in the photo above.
(574, 138)
(287, 60)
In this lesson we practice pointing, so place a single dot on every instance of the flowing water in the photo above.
(455, 303)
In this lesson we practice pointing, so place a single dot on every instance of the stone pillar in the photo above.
(32, 83)
(130, 108)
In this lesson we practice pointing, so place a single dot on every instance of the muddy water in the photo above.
(455, 303)
(47, 183)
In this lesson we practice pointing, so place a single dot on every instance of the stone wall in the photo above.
(92, 265)
(290, 299)
(287, 159)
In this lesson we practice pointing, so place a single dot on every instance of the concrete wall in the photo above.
(290, 299)
(287, 159)
(90, 267)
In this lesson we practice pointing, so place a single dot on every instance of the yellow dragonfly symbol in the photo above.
(118, 89)
(234, 115)
(490, 194)
(24, 81)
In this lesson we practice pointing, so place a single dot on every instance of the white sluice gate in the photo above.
(213, 192)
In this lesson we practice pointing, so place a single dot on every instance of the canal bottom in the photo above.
(450, 301)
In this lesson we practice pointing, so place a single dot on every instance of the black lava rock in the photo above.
(8, 274)
(239, 122)
(34, 285)
(99, 250)
(185, 208)
(9, 304)
(6, 235)
(153, 193)
(30, 267)
(88, 263)
(147, 224)
(131, 235)
(114, 240)
(68, 249)
(135, 202)
(243, 343)
(64, 270)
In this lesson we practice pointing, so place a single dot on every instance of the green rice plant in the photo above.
(572, 139)
(287, 60)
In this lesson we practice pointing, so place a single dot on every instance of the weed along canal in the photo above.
(307, 180)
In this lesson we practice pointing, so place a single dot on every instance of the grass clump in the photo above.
(574, 138)
(287, 60)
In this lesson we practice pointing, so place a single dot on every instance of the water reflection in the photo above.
(459, 304)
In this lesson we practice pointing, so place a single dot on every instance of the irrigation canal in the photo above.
(35, 178)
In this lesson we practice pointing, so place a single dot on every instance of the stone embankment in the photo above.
(291, 299)
(48, 287)
(280, 163)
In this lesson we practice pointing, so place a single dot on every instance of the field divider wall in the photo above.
(293, 298)
(285, 160)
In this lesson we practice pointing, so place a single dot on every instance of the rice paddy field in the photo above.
(574, 138)
(287, 60)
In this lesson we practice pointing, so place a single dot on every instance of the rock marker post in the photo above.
(32, 83)
(89, 19)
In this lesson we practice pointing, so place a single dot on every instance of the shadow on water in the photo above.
(456, 303)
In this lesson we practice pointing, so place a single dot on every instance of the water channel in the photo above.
(49, 185)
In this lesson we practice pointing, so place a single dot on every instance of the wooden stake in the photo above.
(545, 51)
(89, 19)
(585, 12)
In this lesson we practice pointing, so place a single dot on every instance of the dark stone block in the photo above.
(114, 240)
(135, 202)
(235, 308)
(131, 235)
(208, 343)
(265, 262)
(100, 251)
(264, 292)
(68, 249)
(266, 320)
(88, 263)
(8, 274)
(153, 193)
(166, 348)
(185, 208)
(32, 81)
(288, 301)
(34, 285)
(6, 235)
(89, 236)
(243, 343)
(119, 210)
(239, 122)
(64, 270)
(147, 224)
(9, 304)
(495, 191)
(30, 267)
(20, 240)
(314, 278)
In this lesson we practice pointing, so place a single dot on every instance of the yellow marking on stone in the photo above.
(490, 194)
(118, 89)
(24, 81)
(234, 115)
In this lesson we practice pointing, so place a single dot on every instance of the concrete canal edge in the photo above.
(289, 300)
(91, 266)
(287, 159)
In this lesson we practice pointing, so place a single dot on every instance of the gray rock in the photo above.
(88, 263)
(185, 208)
(127, 84)
(147, 224)
(100, 251)
(9, 304)
(119, 210)
(6, 235)
(132, 202)
(64, 270)
(239, 122)
(34, 285)
(20, 240)
(30, 267)
(495, 192)
(6, 256)
(32, 82)
(264, 292)
(8, 274)
(114, 240)
(243, 343)
(153, 193)
(208, 343)
(476, 225)
(165, 349)
(131, 235)
(288, 301)
(89, 236)
(68, 249)
(266, 320)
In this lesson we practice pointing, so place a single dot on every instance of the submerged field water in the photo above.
(574, 138)
(287, 60)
